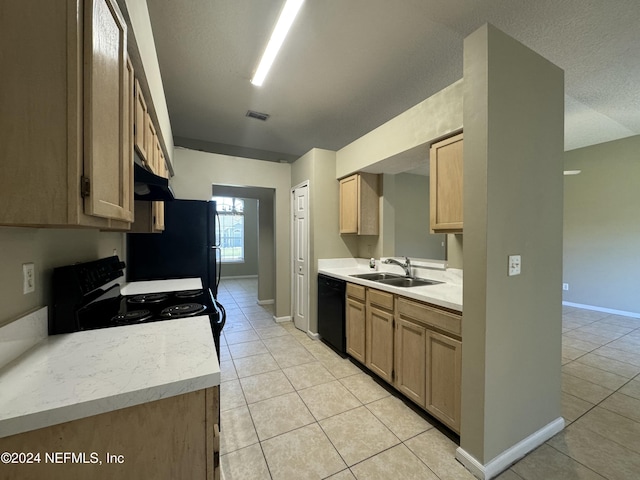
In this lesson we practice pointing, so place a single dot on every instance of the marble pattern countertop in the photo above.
(76, 375)
(447, 294)
(159, 286)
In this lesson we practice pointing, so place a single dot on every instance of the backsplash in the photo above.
(19, 336)
(46, 248)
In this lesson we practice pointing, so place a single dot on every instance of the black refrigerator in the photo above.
(186, 248)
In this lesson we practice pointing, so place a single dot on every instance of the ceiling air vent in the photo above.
(257, 115)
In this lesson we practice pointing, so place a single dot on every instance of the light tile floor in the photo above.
(293, 409)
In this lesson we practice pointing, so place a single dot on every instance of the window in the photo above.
(231, 212)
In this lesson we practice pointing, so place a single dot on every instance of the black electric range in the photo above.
(86, 296)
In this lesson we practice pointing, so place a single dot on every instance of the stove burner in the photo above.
(148, 298)
(134, 316)
(183, 310)
(188, 293)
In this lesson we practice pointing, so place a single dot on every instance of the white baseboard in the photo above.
(282, 319)
(266, 302)
(511, 455)
(313, 336)
(612, 311)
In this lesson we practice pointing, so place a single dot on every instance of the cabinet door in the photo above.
(349, 204)
(446, 193)
(444, 367)
(106, 101)
(121, 225)
(356, 339)
(158, 217)
(150, 143)
(379, 349)
(411, 360)
(141, 113)
(161, 166)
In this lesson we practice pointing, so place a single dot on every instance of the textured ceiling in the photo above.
(350, 65)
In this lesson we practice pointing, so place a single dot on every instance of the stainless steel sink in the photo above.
(406, 282)
(377, 276)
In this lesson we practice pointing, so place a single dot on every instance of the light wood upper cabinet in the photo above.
(122, 225)
(141, 113)
(64, 121)
(149, 216)
(106, 112)
(151, 139)
(359, 204)
(356, 322)
(379, 329)
(446, 187)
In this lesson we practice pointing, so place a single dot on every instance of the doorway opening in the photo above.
(253, 249)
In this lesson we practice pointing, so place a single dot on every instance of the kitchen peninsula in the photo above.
(410, 337)
(144, 394)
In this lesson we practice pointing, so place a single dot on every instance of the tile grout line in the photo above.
(249, 410)
(568, 456)
(320, 359)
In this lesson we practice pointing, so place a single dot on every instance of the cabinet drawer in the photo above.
(421, 313)
(355, 291)
(381, 299)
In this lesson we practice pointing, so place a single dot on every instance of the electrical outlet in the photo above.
(514, 265)
(28, 278)
(565, 287)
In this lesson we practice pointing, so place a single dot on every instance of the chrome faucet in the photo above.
(406, 265)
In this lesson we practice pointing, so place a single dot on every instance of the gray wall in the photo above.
(412, 235)
(266, 246)
(196, 172)
(404, 224)
(602, 226)
(46, 249)
(513, 160)
(319, 168)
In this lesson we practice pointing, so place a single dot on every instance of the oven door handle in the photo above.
(223, 316)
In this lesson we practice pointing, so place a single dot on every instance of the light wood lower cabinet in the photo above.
(175, 437)
(438, 352)
(411, 360)
(415, 346)
(356, 322)
(444, 367)
(379, 349)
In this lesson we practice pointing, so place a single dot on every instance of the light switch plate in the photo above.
(28, 278)
(514, 265)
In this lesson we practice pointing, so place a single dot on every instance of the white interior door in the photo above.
(300, 260)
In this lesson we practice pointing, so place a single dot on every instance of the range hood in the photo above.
(149, 187)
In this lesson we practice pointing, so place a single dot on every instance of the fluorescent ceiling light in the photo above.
(287, 16)
(572, 172)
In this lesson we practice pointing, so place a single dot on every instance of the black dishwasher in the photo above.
(331, 312)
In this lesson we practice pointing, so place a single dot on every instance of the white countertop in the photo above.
(447, 294)
(159, 286)
(76, 375)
